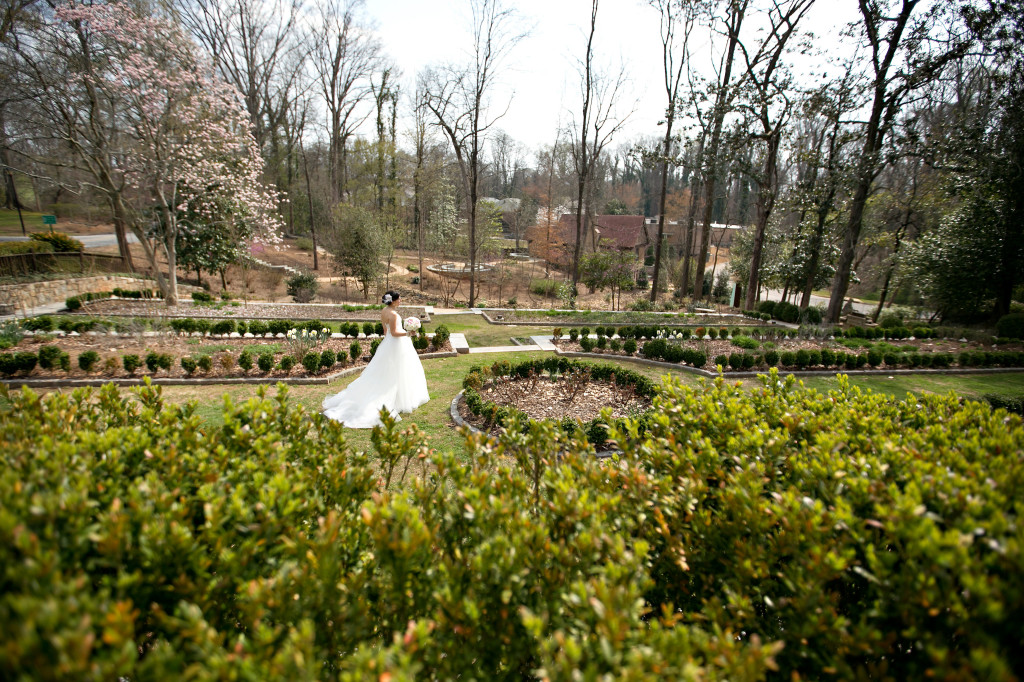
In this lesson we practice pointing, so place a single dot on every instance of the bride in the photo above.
(393, 379)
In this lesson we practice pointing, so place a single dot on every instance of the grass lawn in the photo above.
(966, 385)
(444, 379)
(481, 333)
(9, 225)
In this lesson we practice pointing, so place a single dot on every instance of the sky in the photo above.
(538, 81)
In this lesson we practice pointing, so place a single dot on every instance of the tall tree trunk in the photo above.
(665, 149)
(765, 204)
(711, 166)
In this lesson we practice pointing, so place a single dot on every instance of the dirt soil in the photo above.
(112, 348)
(548, 399)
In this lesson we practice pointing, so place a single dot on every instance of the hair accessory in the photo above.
(387, 298)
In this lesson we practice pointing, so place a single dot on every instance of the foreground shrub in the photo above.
(746, 531)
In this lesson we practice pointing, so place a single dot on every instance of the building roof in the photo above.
(625, 231)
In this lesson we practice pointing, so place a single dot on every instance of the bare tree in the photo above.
(345, 57)
(592, 131)
(457, 97)
(257, 47)
(767, 84)
(677, 20)
(724, 93)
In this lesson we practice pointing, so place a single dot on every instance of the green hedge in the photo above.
(595, 430)
(31, 246)
(775, 531)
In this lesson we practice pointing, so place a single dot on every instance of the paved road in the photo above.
(91, 241)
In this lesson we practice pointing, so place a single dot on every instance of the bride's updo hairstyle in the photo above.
(390, 297)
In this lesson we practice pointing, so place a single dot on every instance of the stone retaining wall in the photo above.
(34, 294)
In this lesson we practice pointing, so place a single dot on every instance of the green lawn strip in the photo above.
(444, 379)
(10, 225)
(966, 385)
(480, 333)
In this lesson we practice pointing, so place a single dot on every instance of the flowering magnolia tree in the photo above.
(187, 150)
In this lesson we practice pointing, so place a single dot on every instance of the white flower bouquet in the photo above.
(412, 324)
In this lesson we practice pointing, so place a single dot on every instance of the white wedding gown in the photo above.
(393, 379)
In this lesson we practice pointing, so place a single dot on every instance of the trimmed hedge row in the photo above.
(829, 359)
(52, 357)
(594, 430)
(660, 349)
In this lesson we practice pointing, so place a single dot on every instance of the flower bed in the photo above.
(299, 353)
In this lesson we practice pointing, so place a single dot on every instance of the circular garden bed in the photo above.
(569, 392)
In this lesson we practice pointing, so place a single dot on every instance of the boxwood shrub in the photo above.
(742, 533)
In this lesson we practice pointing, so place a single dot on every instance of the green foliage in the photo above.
(373, 347)
(87, 360)
(303, 287)
(304, 244)
(279, 326)
(745, 342)
(265, 361)
(73, 303)
(205, 362)
(59, 241)
(245, 360)
(286, 362)
(131, 363)
(311, 361)
(586, 344)
(629, 346)
(188, 364)
(223, 327)
(328, 358)
(1011, 326)
(544, 287)
(202, 297)
(258, 327)
(49, 357)
(441, 336)
(17, 248)
(355, 351)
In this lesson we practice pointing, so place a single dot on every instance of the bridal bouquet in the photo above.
(412, 324)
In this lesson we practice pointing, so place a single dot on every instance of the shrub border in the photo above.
(184, 381)
(796, 373)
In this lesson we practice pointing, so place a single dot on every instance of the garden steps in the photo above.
(459, 343)
(503, 349)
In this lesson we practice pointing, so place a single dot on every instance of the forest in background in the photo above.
(201, 126)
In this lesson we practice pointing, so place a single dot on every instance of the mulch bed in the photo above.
(242, 311)
(549, 400)
(110, 346)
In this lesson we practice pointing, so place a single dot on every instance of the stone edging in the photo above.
(795, 373)
(183, 381)
(673, 320)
